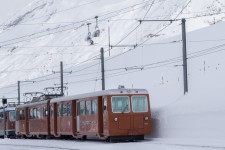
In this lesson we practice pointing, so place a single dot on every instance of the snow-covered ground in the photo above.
(156, 144)
(194, 118)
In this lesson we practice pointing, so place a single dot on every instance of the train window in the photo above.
(31, 113)
(45, 112)
(82, 106)
(1, 116)
(78, 108)
(120, 104)
(105, 105)
(64, 111)
(139, 104)
(59, 110)
(52, 111)
(12, 116)
(69, 109)
(38, 113)
(88, 108)
(35, 113)
(94, 107)
(17, 115)
(21, 115)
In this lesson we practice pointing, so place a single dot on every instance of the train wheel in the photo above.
(109, 139)
(84, 137)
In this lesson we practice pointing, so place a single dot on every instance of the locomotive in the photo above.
(9, 123)
(113, 115)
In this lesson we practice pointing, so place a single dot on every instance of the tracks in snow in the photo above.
(36, 146)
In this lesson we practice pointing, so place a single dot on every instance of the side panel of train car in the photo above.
(22, 121)
(33, 119)
(63, 118)
(9, 122)
(113, 114)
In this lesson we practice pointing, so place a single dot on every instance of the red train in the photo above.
(117, 114)
(9, 121)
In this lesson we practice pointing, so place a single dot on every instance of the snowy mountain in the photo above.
(43, 33)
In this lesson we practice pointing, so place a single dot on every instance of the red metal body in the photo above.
(33, 119)
(9, 121)
(115, 114)
(91, 114)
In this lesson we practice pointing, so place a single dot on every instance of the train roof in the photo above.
(32, 104)
(39, 100)
(101, 93)
(7, 109)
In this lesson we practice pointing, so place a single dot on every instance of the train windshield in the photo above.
(12, 116)
(139, 104)
(120, 104)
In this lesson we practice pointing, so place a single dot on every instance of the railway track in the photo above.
(147, 143)
(35, 146)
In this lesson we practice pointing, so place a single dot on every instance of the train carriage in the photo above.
(117, 114)
(22, 120)
(33, 118)
(9, 121)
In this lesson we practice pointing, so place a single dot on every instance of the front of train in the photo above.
(129, 114)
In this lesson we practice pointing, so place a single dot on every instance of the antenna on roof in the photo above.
(121, 87)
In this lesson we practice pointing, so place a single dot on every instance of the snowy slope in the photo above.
(29, 48)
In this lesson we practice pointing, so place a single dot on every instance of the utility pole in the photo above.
(184, 49)
(61, 74)
(109, 37)
(18, 92)
(19, 89)
(4, 101)
(103, 69)
(184, 56)
(61, 78)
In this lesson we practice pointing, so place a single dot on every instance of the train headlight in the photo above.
(146, 118)
(115, 119)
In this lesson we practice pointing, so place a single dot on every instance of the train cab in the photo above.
(116, 114)
(126, 114)
(9, 121)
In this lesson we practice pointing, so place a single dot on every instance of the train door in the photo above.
(74, 118)
(100, 115)
(78, 115)
(27, 121)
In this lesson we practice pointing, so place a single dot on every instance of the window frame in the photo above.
(132, 103)
(31, 116)
(10, 119)
(129, 105)
(88, 107)
(84, 109)
(69, 109)
(59, 110)
(52, 111)
(92, 110)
